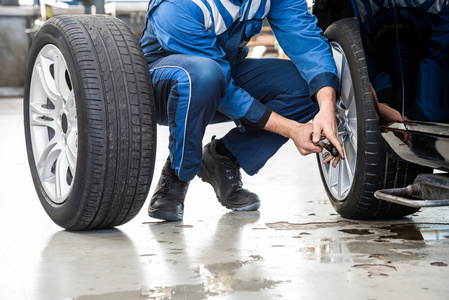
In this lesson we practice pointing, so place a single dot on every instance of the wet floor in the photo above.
(294, 247)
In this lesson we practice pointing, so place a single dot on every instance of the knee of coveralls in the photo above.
(188, 90)
(279, 85)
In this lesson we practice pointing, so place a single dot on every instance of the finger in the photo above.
(307, 147)
(327, 158)
(316, 134)
(336, 161)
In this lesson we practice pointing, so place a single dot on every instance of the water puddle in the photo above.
(217, 279)
(435, 235)
(220, 278)
(417, 232)
(409, 231)
(307, 226)
(357, 231)
(376, 270)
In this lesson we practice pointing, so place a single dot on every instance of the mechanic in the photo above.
(196, 52)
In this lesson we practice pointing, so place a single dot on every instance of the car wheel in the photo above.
(90, 123)
(366, 168)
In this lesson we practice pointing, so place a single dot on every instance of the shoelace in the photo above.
(168, 180)
(233, 174)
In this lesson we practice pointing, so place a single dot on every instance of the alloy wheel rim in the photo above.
(339, 180)
(53, 123)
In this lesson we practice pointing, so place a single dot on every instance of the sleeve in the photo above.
(188, 35)
(302, 40)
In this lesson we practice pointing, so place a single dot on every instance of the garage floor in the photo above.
(294, 247)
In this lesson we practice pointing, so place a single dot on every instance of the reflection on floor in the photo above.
(294, 247)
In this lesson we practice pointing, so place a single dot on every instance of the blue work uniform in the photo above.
(196, 51)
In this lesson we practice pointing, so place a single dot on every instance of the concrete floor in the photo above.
(294, 247)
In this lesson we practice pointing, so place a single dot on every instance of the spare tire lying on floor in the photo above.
(90, 123)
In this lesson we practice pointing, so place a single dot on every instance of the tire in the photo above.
(366, 168)
(90, 124)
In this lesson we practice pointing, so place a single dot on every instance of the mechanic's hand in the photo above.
(301, 137)
(299, 133)
(385, 114)
(325, 121)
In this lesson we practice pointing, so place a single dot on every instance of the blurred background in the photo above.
(20, 20)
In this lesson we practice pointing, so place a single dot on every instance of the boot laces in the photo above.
(233, 174)
(169, 179)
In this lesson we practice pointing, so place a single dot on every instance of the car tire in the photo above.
(90, 124)
(367, 167)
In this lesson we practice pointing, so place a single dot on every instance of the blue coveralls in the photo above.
(196, 55)
(423, 54)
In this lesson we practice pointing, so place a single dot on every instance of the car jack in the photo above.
(428, 190)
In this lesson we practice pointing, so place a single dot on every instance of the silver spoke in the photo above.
(40, 116)
(347, 88)
(47, 158)
(72, 150)
(60, 70)
(61, 186)
(45, 78)
(342, 175)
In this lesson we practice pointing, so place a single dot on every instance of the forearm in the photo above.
(326, 98)
(281, 125)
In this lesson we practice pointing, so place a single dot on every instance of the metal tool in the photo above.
(324, 143)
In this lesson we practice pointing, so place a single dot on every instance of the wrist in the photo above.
(326, 97)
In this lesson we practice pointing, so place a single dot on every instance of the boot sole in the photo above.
(165, 215)
(210, 179)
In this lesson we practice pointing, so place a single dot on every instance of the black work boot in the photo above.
(167, 202)
(224, 176)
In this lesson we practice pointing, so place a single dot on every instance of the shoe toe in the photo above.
(242, 201)
(166, 210)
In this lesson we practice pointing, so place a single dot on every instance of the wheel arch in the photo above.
(329, 11)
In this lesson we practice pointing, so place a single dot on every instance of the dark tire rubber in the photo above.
(374, 169)
(116, 121)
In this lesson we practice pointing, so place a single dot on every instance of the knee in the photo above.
(207, 78)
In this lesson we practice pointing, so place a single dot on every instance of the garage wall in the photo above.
(14, 45)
